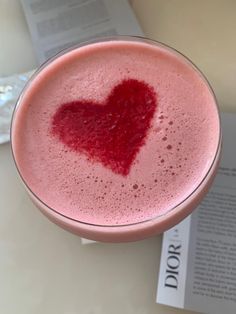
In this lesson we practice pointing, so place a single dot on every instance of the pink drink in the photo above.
(117, 174)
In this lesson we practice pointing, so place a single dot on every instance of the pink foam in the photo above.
(179, 150)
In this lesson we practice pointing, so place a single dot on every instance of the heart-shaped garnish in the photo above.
(111, 132)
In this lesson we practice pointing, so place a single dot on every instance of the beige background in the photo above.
(44, 269)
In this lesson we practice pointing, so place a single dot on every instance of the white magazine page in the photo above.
(199, 271)
(57, 24)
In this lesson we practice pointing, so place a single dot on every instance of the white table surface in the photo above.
(46, 270)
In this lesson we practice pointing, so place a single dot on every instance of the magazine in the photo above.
(56, 25)
(198, 259)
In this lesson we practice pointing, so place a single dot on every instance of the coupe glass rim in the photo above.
(106, 39)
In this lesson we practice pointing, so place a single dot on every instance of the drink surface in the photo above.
(115, 133)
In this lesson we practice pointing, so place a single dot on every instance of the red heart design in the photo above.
(111, 132)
